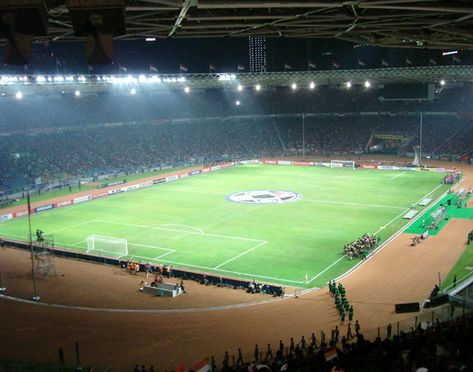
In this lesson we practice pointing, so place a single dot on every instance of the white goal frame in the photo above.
(92, 244)
(342, 164)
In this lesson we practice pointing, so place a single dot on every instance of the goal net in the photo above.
(107, 245)
(342, 164)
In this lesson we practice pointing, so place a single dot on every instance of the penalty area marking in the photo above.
(154, 227)
(197, 229)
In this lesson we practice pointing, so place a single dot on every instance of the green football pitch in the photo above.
(190, 223)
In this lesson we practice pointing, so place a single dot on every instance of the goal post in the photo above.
(342, 164)
(105, 244)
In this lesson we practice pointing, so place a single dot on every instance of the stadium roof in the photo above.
(56, 84)
(387, 23)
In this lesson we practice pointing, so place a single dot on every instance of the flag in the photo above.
(28, 201)
(241, 68)
(153, 68)
(361, 63)
(335, 65)
(181, 368)
(432, 62)
(182, 68)
(456, 59)
(202, 366)
(311, 64)
(287, 66)
(331, 354)
(384, 63)
(122, 68)
(408, 62)
(212, 67)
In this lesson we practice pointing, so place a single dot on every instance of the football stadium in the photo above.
(235, 186)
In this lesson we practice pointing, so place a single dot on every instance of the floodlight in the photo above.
(19, 95)
(133, 91)
(312, 85)
(258, 87)
(442, 82)
(77, 93)
(237, 103)
(187, 89)
(293, 86)
(348, 84)
(367, 84)
(240, 87)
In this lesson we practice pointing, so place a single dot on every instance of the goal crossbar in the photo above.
(107, 244)
(342, 164)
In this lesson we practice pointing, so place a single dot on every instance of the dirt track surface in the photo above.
(398, 273)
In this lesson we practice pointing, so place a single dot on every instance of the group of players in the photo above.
(361, 247)
(344, 308)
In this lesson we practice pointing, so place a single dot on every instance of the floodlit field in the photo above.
(191, 223)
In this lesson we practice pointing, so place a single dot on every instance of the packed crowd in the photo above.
(98, 134)
(361, 247)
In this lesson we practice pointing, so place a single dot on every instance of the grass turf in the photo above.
(36, 197)
(190, 224)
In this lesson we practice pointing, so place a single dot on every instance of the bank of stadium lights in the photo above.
(19, 95)
(226, 77)
(257, 87)
(312, 85)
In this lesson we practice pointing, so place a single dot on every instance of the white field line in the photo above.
(153, 227)
(354, 204)
(71, 226)
(396, 176)
(408, 209)
(72, 245)
(394, 235)
(327, 268)
(399, 232)
(197, 229)
(164, 254)
(240, 255)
